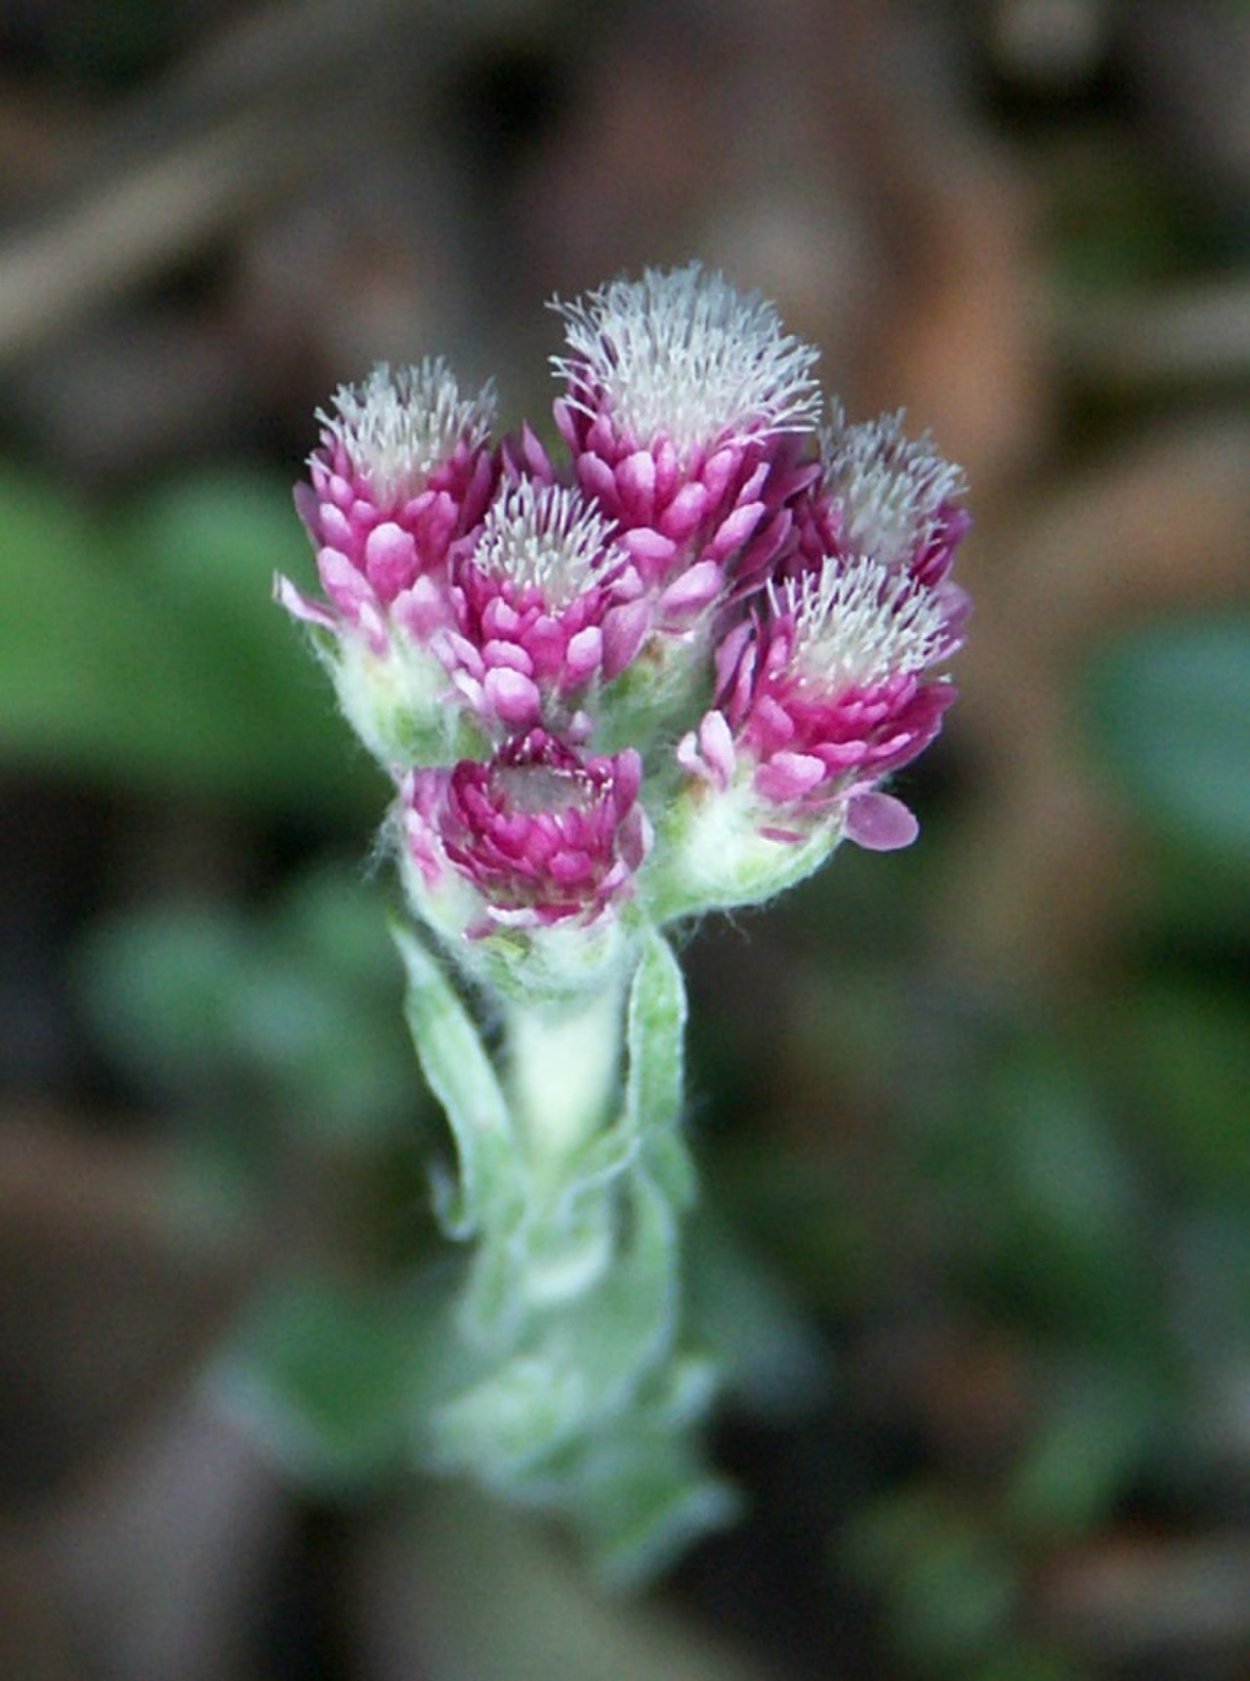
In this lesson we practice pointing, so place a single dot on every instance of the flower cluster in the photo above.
(668, 673)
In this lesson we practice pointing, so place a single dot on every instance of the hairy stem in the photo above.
(564, 1071)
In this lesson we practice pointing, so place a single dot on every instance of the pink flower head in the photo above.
(543, 835)
(546, 604)
(885, 495)
(404, 468)
(828, 689)
(680, 393)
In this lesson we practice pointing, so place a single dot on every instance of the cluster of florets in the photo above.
(667, 674)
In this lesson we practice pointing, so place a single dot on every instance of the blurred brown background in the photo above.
(977, 1112)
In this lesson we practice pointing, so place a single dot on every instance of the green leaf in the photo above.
(950, 1590)
(499, 1428)
(1184, 1056)
(159, 986)
(296, 1012)
(655, 1083)
(770, 1357)
(147, 651)
(584, 1363)
(460, 1075)
(1088, 1449)
(642, 1501)
(329, 1376)
(1170, 710)
(625, 1328)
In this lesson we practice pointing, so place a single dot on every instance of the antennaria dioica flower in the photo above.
(666, 675)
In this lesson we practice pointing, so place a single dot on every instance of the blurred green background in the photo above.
(974, 1119)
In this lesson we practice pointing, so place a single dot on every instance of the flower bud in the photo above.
(403, 470)
(546, 609)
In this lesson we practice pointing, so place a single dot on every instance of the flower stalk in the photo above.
(668, 676)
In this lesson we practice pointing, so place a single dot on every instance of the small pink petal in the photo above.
(751, 489)
(546, 644)
(636, 478)
(729, 654)
(584, 653)
(734, 531)
(685, 511)
(373, 625)
(698, 586)
(718, 471)
(390, 559)
(499, 618)
(336, 528)
(628, 775)
(419, 611)
(513, 696)
(624, 630)
(841, 755)
(450, 645)
(771, 715)
(566, 420)
(510, 654)
(569, 868)
(299, 606)
(651, 550)
(598, 479)
(687, 755)
(345, 586)
(308, 507)
(789, 776)
(880, 823)
(717, 744)
(536, 459)
(437, 521)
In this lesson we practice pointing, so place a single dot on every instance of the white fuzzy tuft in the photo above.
(681, 354)
(545, 537)
(890, 487)
(402, 423)
(859, 623)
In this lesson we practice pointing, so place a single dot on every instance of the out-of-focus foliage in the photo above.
(1172, 712)
(296, 1015)
(138, 649)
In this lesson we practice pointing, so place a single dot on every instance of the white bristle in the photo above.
(546, 537)
(401, 423)
(681, 354)
(860, 623)
(890, 488)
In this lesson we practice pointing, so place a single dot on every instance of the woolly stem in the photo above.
(563, 1068)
